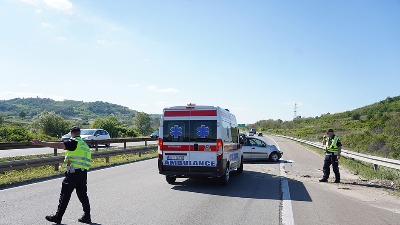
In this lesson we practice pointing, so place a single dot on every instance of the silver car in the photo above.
(256, 149)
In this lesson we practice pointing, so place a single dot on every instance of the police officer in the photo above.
(333, 148)
(78, 160)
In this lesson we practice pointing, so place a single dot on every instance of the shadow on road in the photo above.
(249, 184)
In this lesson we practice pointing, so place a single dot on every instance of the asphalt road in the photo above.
(287, 192)
(39, 151)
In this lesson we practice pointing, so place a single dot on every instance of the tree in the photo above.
(50, 124)
(1, 120)
(110, 124)
(142, 123)
(22, 114)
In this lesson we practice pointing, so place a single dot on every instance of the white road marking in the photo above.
(286, 209)
(286, 205)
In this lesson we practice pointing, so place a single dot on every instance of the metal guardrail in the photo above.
(375, 160)
(22, 145)
(56, 160)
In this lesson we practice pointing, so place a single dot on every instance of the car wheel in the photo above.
(240, 169)
(170, 179)
(224, 180)
(107, 145)
(274, 157)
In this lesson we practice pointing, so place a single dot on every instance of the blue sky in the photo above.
(255, 57)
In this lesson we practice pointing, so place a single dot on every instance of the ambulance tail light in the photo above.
(160, 148)
(220, 149)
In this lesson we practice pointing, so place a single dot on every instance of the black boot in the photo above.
(323, 180)
(85, 219)
(54, 219)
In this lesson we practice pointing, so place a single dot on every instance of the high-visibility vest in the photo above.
(333, 146)
(81, 157)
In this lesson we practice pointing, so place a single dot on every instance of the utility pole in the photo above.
(295, 110)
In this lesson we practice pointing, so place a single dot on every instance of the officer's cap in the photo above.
(330, 130)
(75, 129)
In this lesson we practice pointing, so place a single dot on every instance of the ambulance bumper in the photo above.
(193, 171)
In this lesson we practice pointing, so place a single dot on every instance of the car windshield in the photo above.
(87, 132)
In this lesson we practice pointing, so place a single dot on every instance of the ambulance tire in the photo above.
(170, 179)
(224, 180)
(240, 169)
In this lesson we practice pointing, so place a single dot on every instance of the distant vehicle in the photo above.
(91, 134)
(253, 130)
(251, 134)
(154, 134)
(256, 149)
(260, 134)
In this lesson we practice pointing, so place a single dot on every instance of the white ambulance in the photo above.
(198, 142)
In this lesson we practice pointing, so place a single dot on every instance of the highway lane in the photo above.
(136, 194)
(39, 151)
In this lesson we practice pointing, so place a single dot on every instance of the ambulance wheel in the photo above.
(240, 169)
(170, 179)
(224, 180)
(274, 157)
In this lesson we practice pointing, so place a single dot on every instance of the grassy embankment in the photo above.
(13, 177)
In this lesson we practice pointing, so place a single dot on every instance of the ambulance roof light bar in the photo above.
(191, 106)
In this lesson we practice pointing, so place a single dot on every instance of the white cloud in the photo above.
(133, 85)
(164, 90)
(59, 5)
(152, 88)
(47, 25)
(168, 90)
(23, 85)
(102, 42)
(38, 11)
(61, 39)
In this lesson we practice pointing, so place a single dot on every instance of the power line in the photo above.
(295, 110)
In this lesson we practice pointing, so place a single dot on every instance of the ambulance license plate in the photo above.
(175, 157)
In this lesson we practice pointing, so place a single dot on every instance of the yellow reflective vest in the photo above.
(81, 157)
(333, 146)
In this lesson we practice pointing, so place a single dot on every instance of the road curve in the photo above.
(136, 194)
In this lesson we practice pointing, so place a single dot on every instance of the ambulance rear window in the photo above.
(190, 131)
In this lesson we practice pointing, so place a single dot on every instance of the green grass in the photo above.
(384, 176)
(13, 177)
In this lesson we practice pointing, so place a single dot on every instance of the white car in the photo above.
(256, 149)
(91, 134)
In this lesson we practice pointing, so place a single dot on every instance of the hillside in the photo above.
(69, 109)
(372, 129)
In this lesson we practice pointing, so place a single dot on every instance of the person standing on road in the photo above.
(333, 148)
(78, 160)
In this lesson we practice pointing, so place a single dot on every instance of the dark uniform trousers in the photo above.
(78, 181)
(331, 159)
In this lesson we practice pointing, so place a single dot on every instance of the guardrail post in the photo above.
(124, 144)
(140, 154)
(376, 167)
(145, 142)
(107, 159)
(55, 165)
(97, 146)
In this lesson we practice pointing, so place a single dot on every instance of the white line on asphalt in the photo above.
(286, 205)
(286, 209)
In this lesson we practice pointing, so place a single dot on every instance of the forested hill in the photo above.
(66, 108)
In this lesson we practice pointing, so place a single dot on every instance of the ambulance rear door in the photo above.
(176, 145)
(203, 141)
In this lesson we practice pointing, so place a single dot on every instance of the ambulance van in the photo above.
(198, 142)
